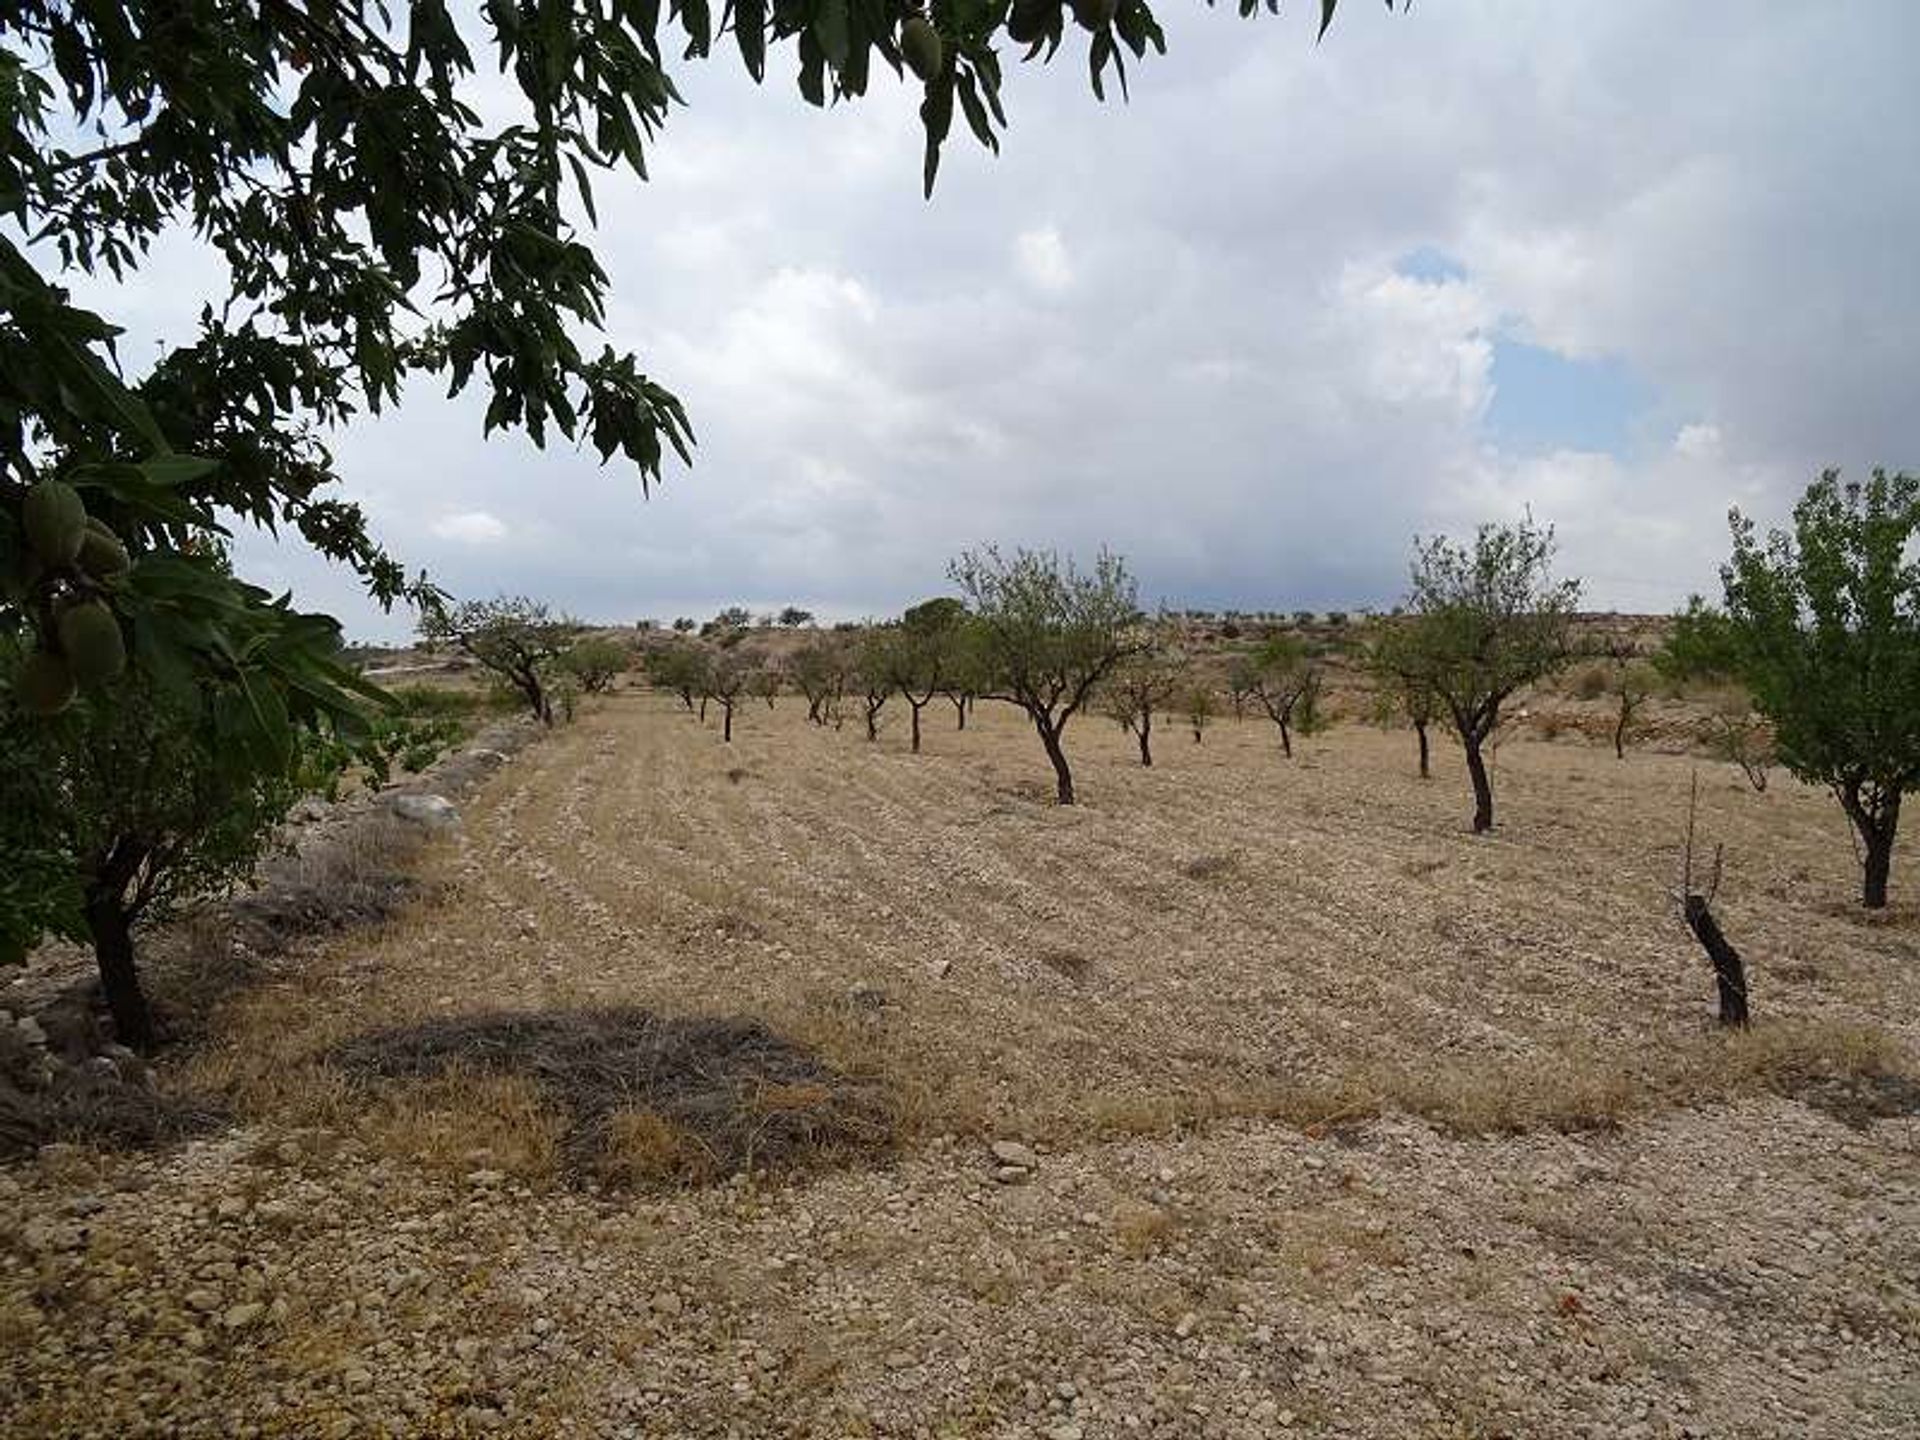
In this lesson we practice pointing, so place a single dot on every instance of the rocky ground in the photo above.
(1248, 1098)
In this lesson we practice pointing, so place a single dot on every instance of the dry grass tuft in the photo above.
(728, 1087)
(1141, 1229)
(461, 1120)
(1852, 1072)
(359, 875)
(644, 1148)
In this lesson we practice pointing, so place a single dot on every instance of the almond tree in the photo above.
(127, 806)
(1049, 634)
(1285, 677)
(924, 654)
(728, 679)
(1142, 687)
(873, 675)
(1822, 625)
(819, 671)
(1401, 686)
(682, 668)
(1200, 711)
(1482, 622)
(514, 637)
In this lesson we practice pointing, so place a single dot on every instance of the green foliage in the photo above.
(1483, 621)
(1822, 625)
(593, 661)
(1146, 683)
(1286, 677)
(131, 797)
(819, 671)
(1700, 647)
(1047, 633)
(928, 650)
(515, 638)
(1201, 706)
(681, 668)
(793, 617)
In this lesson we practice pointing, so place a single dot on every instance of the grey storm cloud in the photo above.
(1180, 327)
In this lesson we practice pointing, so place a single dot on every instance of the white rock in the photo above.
(434, 812)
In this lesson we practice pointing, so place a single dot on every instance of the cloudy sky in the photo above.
(1626, 264)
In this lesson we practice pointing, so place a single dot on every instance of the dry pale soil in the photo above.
(1315, 1115)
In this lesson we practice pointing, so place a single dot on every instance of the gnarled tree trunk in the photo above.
(1482, 786)
(1729, 973)
(1050, 739)
(1426, 763)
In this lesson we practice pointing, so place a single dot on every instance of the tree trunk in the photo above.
(813, 709)
(960, 710)
(1620, 733)
(1877, 824)
(1426, 765)
(726, 721)
(119, 980)
(916, 725)
(1050, 738)
(1873, 890)
(873, 722)
(1482, 786)
(703, 709)
(1728, 971)
(1145, 732)
(1286, 740)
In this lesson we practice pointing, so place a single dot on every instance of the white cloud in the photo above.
(470, 527)
(1041, 257)
(1698, 442)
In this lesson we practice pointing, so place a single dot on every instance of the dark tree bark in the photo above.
(726, 721)
(1286, 740)
(112, 929)
(703, 709)
(1728, 970)
(873, 717)
(1877, 820)
(960, 710)
(1144, 733)
(1482, 786)
(1426, 764)
(1050, 739)
(915, 708)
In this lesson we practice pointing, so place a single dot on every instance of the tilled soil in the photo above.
(1227, 924)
